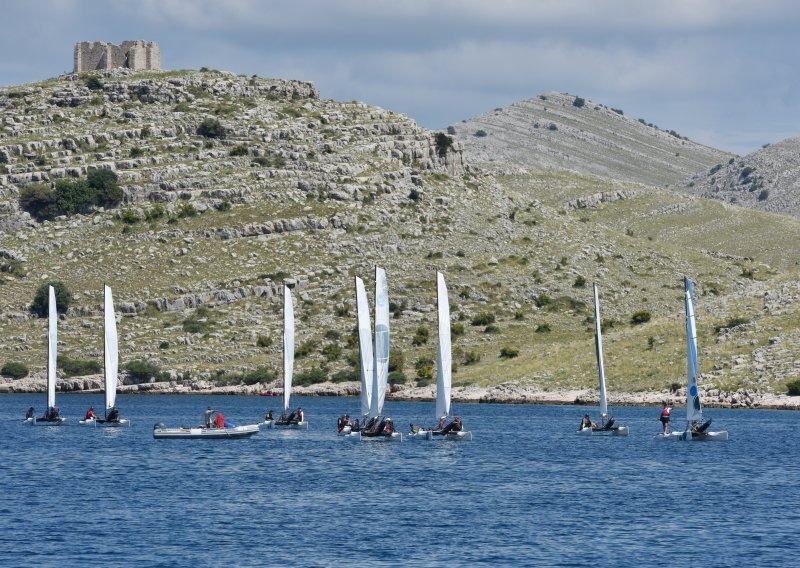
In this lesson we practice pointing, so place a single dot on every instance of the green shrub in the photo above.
(451, 130)
(397, 378)
(543, 328)
(14, 369)
(239, 150)
(93, 83)
(415, 195)
(471, 358)
(263, 341)
(182, 107)
(332, 351)
(793, 388)
(144, 371)
(552, 127)
(74, 196)
(156, 212)
(39, 306)
(731, 323)
(129, 216)
(640, 317)
(480, 133)
(310, 377)
(508, 353)
(38, 200)
(542, 300)
(136, 152)
(78, 367)
(187, 210)
(305, 349)
(397, 360)
(578, 102)
(346, 376)
(491, 328)
(421, 336)
(105, 183)
(456, 329)
(199, 322)
(211, 128)
(483, 319)
(443, 144)
(580, 282)
(260, 375)
(223, 205)
(763, 195)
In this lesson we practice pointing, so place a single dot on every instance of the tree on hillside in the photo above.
(40, 300)
(108, 193)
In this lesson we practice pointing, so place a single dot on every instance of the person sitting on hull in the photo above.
(268, 417)
(51, 413)
(299, 416)
(586, 423)
(219, 420)
(29, 413)
(90, 415)
(370, 425)
(113, 415)
(454, 426)
(355, 427)
(415, 428)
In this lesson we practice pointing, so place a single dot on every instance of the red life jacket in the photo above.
(665, 413)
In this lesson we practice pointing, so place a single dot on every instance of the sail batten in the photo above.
(444, 364)
(111, 351)
(364, 346)
(52, 347)
(598, 344)
(380, 373)
(694, 409)
(288, 346)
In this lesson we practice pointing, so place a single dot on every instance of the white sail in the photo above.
(598, 345)
(288, 346)
(694, 410)
(111, 349)
(365, 346)
(52, 347)
(444, 363)
(380, 373)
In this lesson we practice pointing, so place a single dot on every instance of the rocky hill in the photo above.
(565, 132)
(294, 188)
(768, 179)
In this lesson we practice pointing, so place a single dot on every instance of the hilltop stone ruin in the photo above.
(102, 55)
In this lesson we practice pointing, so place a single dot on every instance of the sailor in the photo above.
(587, 422)
(665, 417)
(219, 420)
(29, 413)
(457, 425)
(113, 415)
(356, 426)
(347, 420)
(299, 415)
(207, 417)
(89, 413)
(440, 426)
(268, 417)
(388, 426)
(415, 428)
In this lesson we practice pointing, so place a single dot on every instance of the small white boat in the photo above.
(199, 433)
(287, 421)
(110, 368)
(444, 376)
(607, 425)
(696, 426)
(52, 357)
(380, 367)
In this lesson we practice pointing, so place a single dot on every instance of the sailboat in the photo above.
(380, 427)
(288, 420)
(51, 416)
(110, 367)
(607, 425)
(696, 427)
(366, 362)
(444, 370)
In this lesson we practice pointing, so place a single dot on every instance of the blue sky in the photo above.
(723, 72)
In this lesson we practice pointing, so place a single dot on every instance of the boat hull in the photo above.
(721, 436)
(206, 433)
(122, 422)
(39, 422)
(393, 437)
(299, 426)
(462, 436)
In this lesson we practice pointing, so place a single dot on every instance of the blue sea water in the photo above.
(526, 492)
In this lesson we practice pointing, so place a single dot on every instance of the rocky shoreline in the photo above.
(506, 393)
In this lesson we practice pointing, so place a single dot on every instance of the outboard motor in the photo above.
(159, 426)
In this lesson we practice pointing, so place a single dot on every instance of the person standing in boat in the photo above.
(665, 417)
(207, 417)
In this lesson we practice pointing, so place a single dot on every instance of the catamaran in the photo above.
(696, 427)
(607, 424)
(444, 368)
(366, 362)
(380, 427)
(51, 416)
(111, 367)
(293, 420)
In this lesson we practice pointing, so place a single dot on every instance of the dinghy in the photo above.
(290, 420)
(200, 433)
(607, 425)
(379, 427)
(51, 416)
(365, 359)
(453, 431)
(111, 367)
(696, 427)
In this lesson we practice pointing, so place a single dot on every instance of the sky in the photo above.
(722, 72)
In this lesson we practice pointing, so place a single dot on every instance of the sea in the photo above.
(527, 491)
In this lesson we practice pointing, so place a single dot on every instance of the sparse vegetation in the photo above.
(41, 298)
(640, 317)
(508, 353)
(14, 369)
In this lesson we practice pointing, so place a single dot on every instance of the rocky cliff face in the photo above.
(565, 132)
(768, 179)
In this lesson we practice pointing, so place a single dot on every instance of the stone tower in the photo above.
(100, 55)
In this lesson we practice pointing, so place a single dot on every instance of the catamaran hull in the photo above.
(206, 433)
(393, 437)
(619, 431)
(721, 436)
(95, 422)
(299, 426)
(450, 436)
(38, 422)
